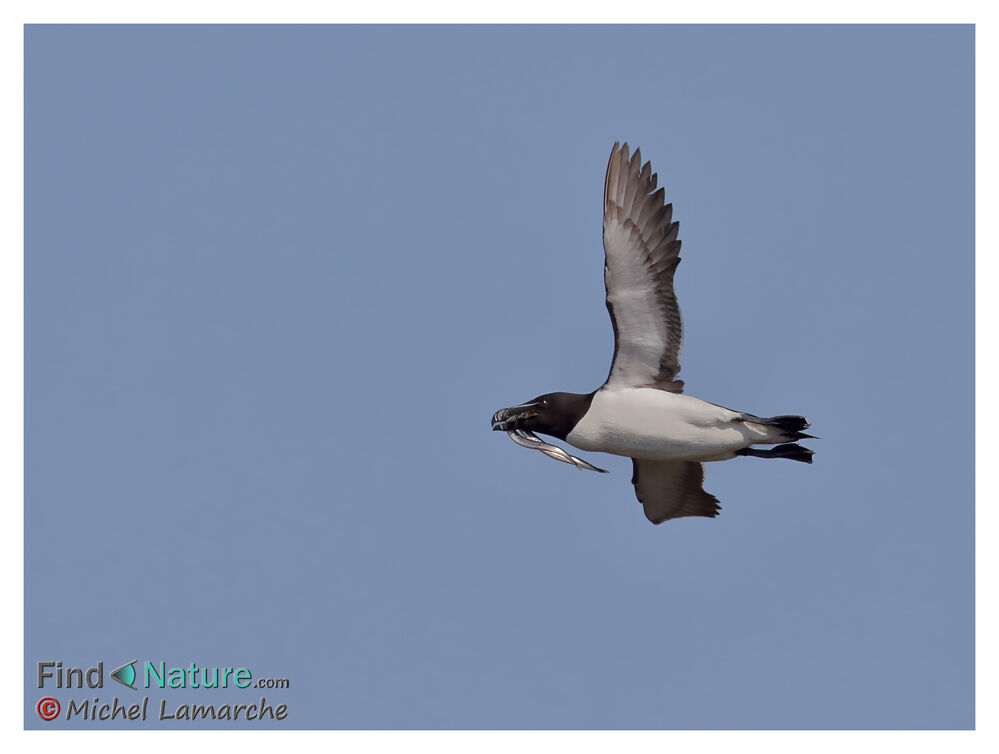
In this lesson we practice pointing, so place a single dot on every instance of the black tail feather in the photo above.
(791, 426)
(786, 423)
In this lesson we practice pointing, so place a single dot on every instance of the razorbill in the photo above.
(641, 411)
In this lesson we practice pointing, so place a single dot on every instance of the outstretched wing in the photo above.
(671, 489)
(641, 252)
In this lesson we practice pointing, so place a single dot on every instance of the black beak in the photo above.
(508, 418)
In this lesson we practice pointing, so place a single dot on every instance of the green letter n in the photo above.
(150, 668)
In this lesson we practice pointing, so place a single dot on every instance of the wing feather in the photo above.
(672, 489)
(641, 252)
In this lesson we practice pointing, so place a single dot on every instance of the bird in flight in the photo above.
(641, 410)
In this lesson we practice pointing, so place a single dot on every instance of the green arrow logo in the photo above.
(126, 674)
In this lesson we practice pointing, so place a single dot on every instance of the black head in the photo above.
(553, 414)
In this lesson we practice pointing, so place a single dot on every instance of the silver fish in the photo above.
(528, 439)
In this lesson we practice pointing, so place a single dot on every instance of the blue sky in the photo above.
(279, 278)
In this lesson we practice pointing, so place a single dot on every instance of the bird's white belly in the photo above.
(654, 424)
